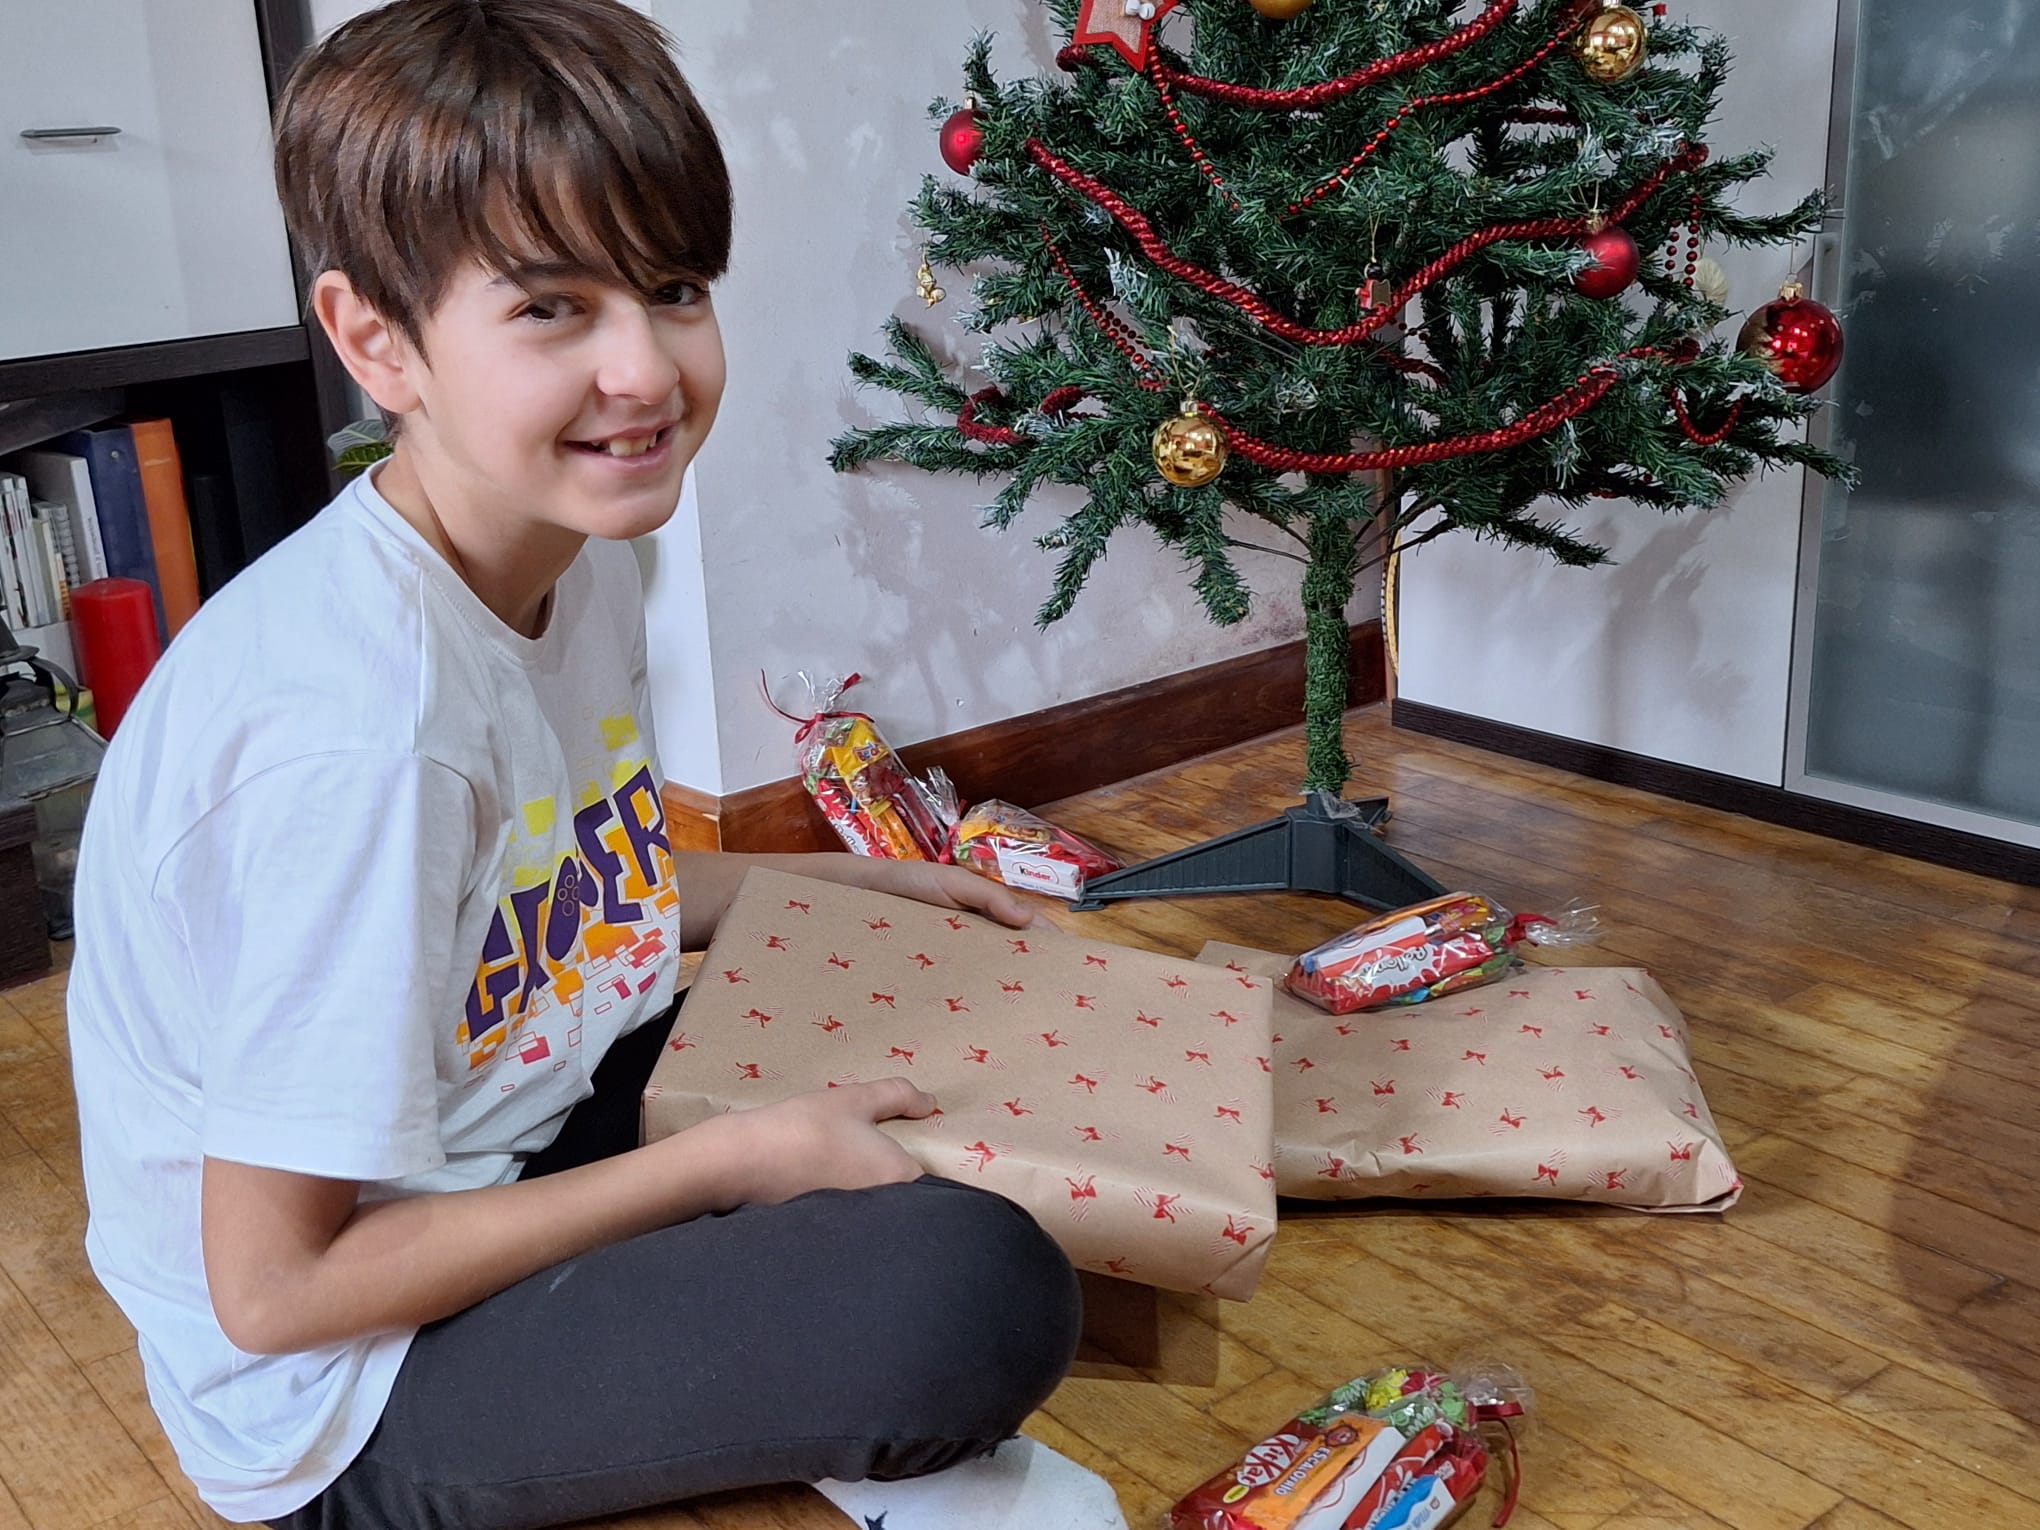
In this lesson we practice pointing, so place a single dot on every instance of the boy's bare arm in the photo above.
(293, 1262)
(709, 880)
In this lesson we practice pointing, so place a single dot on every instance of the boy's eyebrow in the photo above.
(532, 272)
(535, 273)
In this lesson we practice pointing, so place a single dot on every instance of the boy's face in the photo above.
(567, 400)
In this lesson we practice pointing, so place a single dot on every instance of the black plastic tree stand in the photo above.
(1325, 846)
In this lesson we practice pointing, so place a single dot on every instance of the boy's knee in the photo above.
(992, 1299)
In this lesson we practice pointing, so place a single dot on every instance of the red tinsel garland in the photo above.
(1323, 93)
(1594, 384)
(1157, 250)
(1120, 335)
(1452, 98)
(1592, 387)
(991, 435)
(1057, 402)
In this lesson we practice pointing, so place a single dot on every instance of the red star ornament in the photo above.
(1112, 23)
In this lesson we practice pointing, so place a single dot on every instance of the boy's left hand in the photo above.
(958, 888)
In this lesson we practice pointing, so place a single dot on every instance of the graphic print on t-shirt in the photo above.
(588, 932)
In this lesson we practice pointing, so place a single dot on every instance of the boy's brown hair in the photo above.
(429, 133)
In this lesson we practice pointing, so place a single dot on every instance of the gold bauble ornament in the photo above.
(1280, 10)
(1189, 449)
(1610, 46)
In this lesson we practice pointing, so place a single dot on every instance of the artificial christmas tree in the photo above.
(1364, 271)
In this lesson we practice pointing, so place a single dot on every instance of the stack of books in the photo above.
(105, 502)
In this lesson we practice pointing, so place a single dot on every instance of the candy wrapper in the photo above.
(874, 803)
(1425, 951)
(1398, 1450)
(1011, 845)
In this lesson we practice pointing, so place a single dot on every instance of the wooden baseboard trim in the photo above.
(1772, 804)
(693, 819)
(1058, 752)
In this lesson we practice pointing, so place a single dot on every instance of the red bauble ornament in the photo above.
(1616, 261)
(963, 139)
(1798, 339)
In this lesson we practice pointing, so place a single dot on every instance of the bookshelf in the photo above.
(250, 408)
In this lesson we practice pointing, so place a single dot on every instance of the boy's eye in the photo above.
(545, 310)
(681, 294)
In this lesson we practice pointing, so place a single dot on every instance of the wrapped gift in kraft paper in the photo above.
(1124, 1098)
(1571, 1083)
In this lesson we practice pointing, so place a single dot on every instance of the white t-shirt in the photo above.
(369, 884)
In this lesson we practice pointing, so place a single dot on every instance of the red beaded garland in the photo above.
(1692, 247)
(1197, 154)
(1540, 421)
(1693, 432)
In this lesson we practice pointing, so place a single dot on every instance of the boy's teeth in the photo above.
(630, 446)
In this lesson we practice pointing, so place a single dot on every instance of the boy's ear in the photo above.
(375, 355)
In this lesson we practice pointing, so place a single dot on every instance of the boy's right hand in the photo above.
(825, 1140)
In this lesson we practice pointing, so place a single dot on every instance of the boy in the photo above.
(356, 1055)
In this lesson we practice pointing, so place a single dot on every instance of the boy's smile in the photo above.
(544, 406)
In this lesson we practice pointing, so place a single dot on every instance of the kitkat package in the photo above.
(1398, 1450)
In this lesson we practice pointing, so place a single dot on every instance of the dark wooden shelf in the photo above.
(125, 365)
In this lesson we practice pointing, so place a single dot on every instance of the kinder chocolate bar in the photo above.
(1011, 845)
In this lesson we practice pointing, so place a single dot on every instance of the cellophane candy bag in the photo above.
(1425, 951)
(1011, 845)
(875, 804)
(1398, 1450)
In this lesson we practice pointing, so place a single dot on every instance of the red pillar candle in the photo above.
(113, 623)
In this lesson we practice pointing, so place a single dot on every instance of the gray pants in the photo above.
(871, 1333)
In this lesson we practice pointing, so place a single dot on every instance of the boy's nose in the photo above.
(635, 363)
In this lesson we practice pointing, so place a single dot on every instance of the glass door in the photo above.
(1916, 673)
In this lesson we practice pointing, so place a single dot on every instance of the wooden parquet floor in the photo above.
(1856, 1345)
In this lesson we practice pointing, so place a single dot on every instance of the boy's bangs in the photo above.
(579, 202)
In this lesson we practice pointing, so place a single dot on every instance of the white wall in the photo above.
(886, 571)
(1682, 651)
(784, 565)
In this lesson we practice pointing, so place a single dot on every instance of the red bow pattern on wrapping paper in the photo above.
(1117, 1094)
(1567, 1083)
